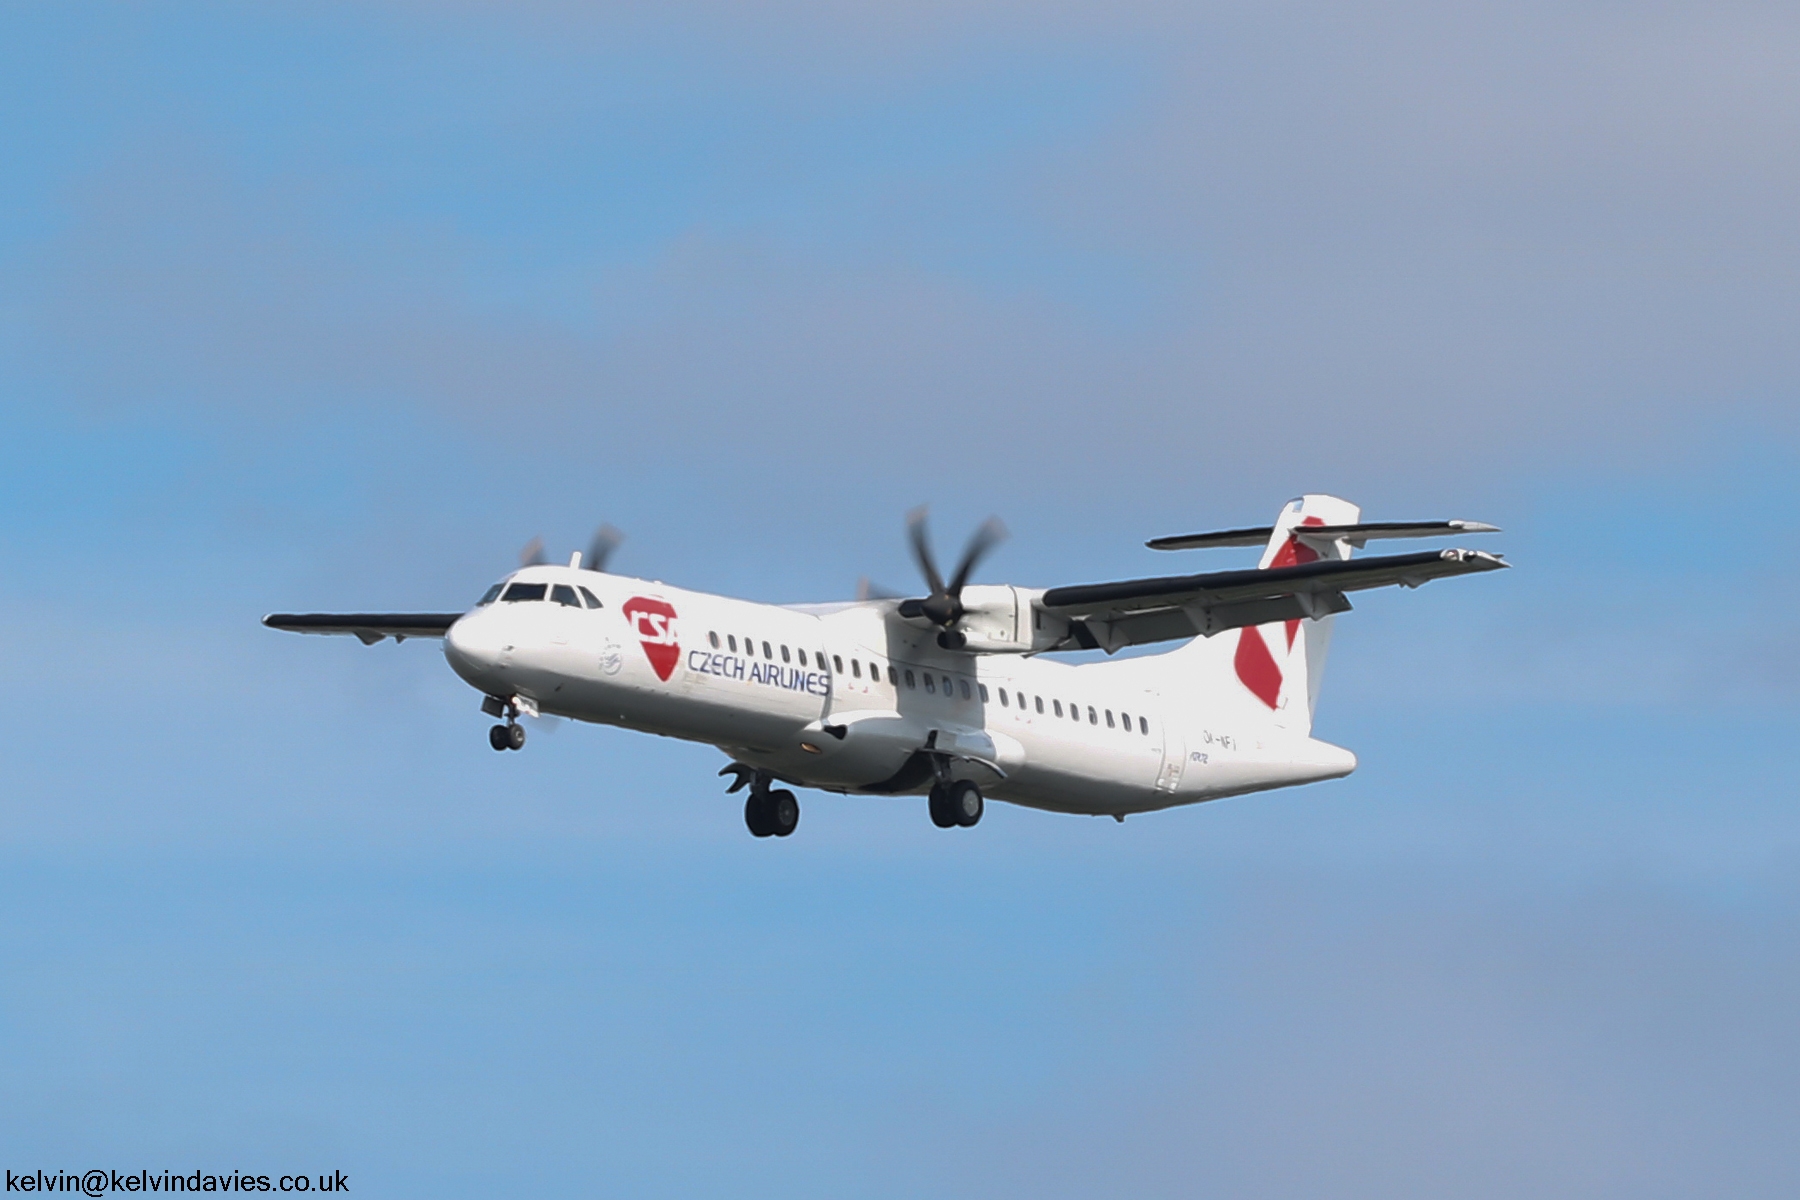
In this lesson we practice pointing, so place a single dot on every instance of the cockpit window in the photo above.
(524, 591)
(563, 594)
(487, 597)
(593, 600)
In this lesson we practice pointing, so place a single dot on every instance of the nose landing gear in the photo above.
(510, 736)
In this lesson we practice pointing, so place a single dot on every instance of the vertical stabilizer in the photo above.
(1282, 663)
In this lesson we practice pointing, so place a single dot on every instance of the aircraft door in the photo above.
(1174, 758)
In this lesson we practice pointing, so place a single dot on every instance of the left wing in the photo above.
(1108, 616)
(370, 627)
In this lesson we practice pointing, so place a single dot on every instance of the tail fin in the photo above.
(1281, 664)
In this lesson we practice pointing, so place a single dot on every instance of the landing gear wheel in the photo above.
(771, 814)
(498, 738)
(784, 813)
(515, 737)
(965, 805)
(941, 814)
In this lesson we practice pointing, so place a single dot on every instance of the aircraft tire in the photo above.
(498, 739)
(515, 737)
(784, 813)
(939, 804)
(756, 815)
(965, 803)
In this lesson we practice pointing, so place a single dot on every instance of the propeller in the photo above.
(943, 607)
(606, 539)
(867, 589)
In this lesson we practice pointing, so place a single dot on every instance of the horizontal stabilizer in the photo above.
(1206, 541)
(370, 627)
(1357, 534)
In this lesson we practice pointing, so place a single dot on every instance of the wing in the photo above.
(1109, 616)
(1357, 535)
(370, 627)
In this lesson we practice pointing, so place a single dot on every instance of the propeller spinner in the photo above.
(944, 607)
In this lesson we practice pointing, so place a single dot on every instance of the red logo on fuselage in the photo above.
(654, 621)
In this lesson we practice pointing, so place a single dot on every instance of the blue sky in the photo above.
(334, 306)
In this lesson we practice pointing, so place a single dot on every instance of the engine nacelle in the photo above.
(998, 619)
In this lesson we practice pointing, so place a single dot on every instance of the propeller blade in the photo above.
(921, 548)
(991, 534)
(867, 589)
(533, 553)
(606, 539)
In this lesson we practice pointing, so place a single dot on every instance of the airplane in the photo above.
(952, 695)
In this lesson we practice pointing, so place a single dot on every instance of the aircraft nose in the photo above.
(472, 646)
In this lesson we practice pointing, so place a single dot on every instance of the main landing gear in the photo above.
(957, 803)
(767, 813)
(772, 813)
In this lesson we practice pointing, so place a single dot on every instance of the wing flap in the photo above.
(369, 627)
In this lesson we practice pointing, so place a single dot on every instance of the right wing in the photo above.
(370, 627)
(1356, 535)
(1110, 616)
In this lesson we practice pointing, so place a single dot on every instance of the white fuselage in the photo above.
(853, 698)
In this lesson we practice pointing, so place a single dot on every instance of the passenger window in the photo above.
(1109, 720)
(487, 597)
(1144, 726)
(1093, 717)
(784, 653)
(856, 667)
(963, 686)
(1040, 705)
(982, 687)
(1003, 698)
(731, 640)
(947, 687)
(930, 683)
(1125, 720)
(837, 663)
(564, 595)
(714, 639)
(1074, 711)
(767, 653)
(909, 677)
(1057, 705)
(525, 591)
